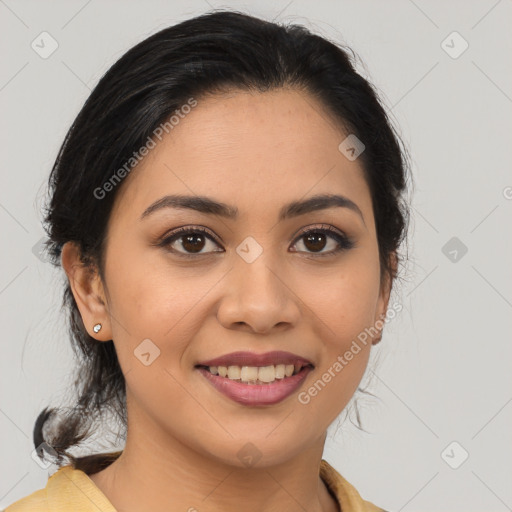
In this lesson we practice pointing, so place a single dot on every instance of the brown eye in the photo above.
(193, 242)
(190, 241)
(316, 239)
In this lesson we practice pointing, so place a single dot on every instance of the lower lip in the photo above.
(256, 394)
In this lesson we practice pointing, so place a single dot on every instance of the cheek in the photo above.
(343, 309)
(345, 301)
(155, 313)
(150, 296)
(333, 386)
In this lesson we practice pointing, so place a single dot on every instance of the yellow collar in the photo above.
(72, 489)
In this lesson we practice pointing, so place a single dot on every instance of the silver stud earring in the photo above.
(97, 328)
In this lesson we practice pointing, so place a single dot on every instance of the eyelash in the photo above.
(344, 242)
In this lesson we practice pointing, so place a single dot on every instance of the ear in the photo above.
(385, 292)
(88, 292)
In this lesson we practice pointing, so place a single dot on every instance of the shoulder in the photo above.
(35, 502)
(67, 489)
(347, 495)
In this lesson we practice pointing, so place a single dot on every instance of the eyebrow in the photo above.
(209, 206)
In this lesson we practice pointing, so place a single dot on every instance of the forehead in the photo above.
(253, 150)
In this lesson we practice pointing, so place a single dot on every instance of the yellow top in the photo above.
(70, 489)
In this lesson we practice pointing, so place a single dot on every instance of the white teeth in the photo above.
(256, 374)
(249, 374)
(267, 374)
(234, 372)
(280, 371)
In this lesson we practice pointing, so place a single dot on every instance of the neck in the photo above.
(156, 471)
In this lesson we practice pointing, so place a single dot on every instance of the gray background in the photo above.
(443, 370)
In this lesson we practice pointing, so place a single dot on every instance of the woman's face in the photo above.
(252, 282)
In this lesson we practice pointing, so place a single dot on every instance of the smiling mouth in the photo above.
(256, 374)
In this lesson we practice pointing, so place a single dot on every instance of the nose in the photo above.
(258, 299)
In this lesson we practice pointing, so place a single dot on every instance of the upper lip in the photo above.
(254, 359)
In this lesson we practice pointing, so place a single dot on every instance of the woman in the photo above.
(228, 208)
